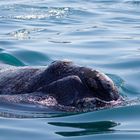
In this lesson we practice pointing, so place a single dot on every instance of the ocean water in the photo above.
(102, 34)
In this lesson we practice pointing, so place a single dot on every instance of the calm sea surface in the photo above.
(103, 34)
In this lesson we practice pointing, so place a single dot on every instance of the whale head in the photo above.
(101, 85)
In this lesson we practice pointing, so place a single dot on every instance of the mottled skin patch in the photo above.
(62, 83)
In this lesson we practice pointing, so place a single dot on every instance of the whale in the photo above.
(62, 84)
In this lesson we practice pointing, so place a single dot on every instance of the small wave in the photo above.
(52, 12)
(58, 12)
(23, 34)
(1, 49)
(27, 17)
(12, 111)
(26, 12)
(117, 80)
(133, 2)
(32, 57)
(10, 59)
(58, 41)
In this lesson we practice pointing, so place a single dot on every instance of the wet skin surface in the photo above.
(62, 83)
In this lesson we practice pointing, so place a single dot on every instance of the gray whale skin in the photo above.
(62, 85)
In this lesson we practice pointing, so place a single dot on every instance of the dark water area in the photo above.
(102, 34)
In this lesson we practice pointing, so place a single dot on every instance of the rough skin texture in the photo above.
(67, 84)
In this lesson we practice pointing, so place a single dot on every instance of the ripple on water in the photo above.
(25, 12)
(98, 124)
(8, 58)
(103, 34)
(133, 2)
(23, 34)
(30, 57)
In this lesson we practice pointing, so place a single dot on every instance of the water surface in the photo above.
(102, 34)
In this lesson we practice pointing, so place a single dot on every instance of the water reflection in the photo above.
(22, 111)
(31, 115)
(88, 128)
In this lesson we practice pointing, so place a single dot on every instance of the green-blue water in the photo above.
(103, 34)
